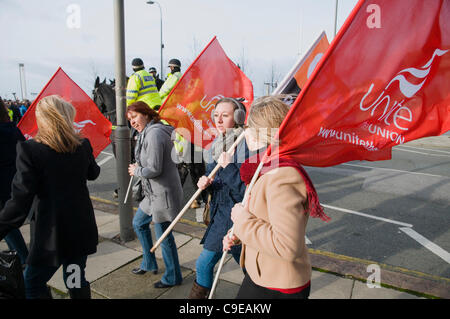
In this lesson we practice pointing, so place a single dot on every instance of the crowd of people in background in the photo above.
(16, 109)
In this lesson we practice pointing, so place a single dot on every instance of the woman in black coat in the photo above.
(51, 179)
(10, 135)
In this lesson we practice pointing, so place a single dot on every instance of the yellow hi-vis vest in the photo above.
(11, 114)
(179, 141)
(168, 85)
(142, 87)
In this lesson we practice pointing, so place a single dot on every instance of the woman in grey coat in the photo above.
(161, 186)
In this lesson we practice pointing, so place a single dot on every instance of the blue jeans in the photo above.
(36, 276)
(141, 225)
(205, 266)
(15, 241)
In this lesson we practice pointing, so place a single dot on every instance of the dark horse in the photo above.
(105, 97)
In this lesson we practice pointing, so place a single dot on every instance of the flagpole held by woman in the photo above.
(271, 226)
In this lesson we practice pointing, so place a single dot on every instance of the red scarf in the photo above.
(250, 165)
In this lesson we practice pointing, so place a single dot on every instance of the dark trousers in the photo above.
(37, 276)
(250, 290)
(15, 241)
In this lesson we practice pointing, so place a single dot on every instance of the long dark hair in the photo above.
(143, 108)
(4, 116)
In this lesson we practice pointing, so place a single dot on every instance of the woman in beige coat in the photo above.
(272, 224)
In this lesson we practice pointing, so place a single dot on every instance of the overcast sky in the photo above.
(260, 35)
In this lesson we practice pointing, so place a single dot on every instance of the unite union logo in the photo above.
(395, 111)
(410, 81)
(80, 125)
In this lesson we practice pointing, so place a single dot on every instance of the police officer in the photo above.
(159, 82)
(172, 78)
(142, 86)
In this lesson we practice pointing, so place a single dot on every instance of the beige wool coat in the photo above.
(272, 233)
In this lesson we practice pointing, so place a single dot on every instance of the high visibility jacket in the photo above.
(179, 142)
(168, 85)
(11, 114)
(142, 87)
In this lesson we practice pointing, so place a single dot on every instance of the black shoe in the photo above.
(138, 271)
(159, 284)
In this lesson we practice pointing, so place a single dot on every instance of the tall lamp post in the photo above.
(122, 133)
(335, 18)
(23, 83)
(161, 38)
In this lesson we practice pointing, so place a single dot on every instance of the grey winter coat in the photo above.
(160, 179)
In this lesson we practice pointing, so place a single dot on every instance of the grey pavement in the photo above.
(333, 277)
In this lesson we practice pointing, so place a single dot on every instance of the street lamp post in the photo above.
(23, 83)
(122, 133)
(335, 18)
(161, 38)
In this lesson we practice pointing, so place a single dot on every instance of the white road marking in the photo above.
(103, 161)
(394, 170)
(427, 154)
(425, 149)
(427, 244)
(367, 215)
(110, 154)
(308, 242)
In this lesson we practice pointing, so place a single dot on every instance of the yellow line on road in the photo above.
(385, 266)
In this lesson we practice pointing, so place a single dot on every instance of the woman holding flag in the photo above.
(271, 225)
(162, 189)
(226, 189)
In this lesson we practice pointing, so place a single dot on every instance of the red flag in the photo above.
(88, 120)
(385, 80)
(209, 78)
(303, 69)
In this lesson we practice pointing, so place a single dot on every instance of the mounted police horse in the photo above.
(104, 97)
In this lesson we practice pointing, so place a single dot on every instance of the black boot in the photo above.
(80, 293)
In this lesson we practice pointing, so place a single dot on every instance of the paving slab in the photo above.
(180, 240)
(362, 291)
(122, 284)
(231, 271)
(103, 218)
(224, 290)
(189, 253)
(109, 230)
(328, 286)
(109, 257)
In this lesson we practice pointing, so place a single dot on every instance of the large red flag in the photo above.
(88, 120)
(210, 77)
(385, 80)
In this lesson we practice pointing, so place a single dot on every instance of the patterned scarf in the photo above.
(249, 167)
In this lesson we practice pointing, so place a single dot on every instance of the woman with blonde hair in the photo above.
(271, 225)
(51, 180)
